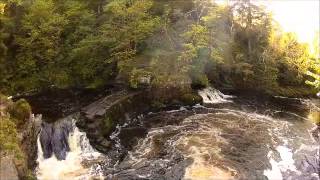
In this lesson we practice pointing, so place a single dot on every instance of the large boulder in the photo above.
(28, 135)
(100, 118)
(54, 138)
(60, 143)
(45, 139)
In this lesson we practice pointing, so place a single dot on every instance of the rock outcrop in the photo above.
(8, 170)
(28, 135)
(54, 138)
(100, 118)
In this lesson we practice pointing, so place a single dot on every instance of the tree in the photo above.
(314, 71)
(40, 46)
(129, 25)
(11, 12)
(221, 63)
(294, 60)
(87, 44)
(195, 55)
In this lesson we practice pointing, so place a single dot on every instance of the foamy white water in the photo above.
(286, 163)
(81, 152)
(213, 96)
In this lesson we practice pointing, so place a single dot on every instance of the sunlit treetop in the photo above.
(298, 16)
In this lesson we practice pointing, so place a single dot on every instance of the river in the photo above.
(228, 137)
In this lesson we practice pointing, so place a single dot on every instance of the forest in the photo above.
(88, 44)
(173, 46)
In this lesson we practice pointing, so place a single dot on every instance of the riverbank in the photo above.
(18, 135)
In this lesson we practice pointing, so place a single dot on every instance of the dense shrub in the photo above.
(20, 111)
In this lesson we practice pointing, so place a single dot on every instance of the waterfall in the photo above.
(80, 162)
(213, 96)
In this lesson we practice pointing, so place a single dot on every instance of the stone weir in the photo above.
(101, 117)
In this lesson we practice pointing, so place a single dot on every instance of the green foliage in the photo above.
(178, 44)
(9, 143)
(191, 99)
(316, 81)
(130, 24)
(40, 48)
(167, 71)
(20, 111)
(139, 77)
(12, 117)
(314, 71)
(196, 54)
(199, 80)
(249, 52)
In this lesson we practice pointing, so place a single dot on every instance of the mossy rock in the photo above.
(20, 111)
(191, 99)
(9, 142)
(315, 117)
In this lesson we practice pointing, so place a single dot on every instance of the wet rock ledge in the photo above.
(100, 118)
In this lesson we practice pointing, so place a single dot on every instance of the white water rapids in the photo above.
(213, 96)
(285, 163)
(222, 143)
(73, 166)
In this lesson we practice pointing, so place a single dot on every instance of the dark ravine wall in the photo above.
(100, 118)
(30, 133)
(54, 137)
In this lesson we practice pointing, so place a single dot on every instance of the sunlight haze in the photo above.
(299, 16)
(159, 89)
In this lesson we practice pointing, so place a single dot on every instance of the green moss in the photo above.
(13, 114)
(136, 77)
(191, 99)
(20, 111)
(9, 142)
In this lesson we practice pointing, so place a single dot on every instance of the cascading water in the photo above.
(229, 141)
(80, 161)
(213, 96)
